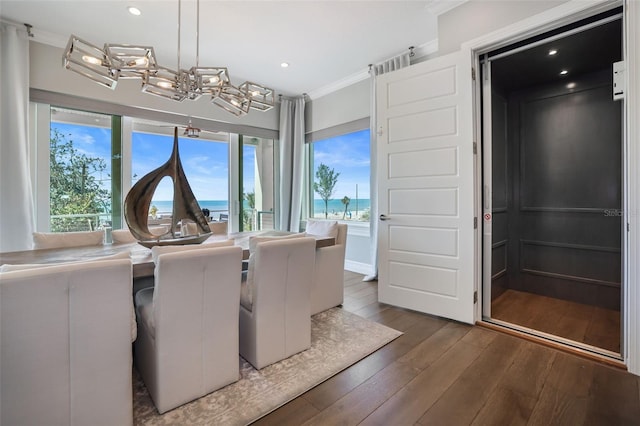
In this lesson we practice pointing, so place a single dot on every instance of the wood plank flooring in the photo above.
(440, 372)
(582, 323)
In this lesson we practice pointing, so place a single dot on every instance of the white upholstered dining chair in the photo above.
(122, 236)
(49, 240)
(187, 342)
(327, 289)
(275, 318)
(66, 344)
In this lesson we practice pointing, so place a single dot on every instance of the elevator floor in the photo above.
(581, 323)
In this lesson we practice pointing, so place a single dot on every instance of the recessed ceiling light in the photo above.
(285, 65)
(134, 10)
(571, 85)
(564, 72)
(552, 52)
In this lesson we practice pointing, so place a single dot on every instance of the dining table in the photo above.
(141, 258)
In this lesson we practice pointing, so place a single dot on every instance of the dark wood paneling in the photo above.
(499, 259)
(500, 189)
(571, 149)
(577, 262)
(566, 166)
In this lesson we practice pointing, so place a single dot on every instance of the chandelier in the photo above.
(123, 61)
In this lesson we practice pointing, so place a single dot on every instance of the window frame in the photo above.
(320, 135)
(124, 118)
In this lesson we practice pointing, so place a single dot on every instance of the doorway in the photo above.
(553, 186)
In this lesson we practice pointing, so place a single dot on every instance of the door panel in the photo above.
(425, 180)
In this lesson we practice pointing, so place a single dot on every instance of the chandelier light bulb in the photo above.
(139, 62)
(91, 60)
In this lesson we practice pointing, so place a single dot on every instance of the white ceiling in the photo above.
(325, 42)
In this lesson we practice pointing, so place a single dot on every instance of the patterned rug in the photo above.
(338, 340)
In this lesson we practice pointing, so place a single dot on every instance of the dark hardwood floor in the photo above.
(587, 324)
(440, 372)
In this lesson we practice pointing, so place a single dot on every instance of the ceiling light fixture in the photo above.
(564, 72)
(107, 65)
(134, 10)
(285, 65)
(553, 52)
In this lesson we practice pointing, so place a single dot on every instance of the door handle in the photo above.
(383, 217)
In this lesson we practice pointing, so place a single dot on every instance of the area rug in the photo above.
(338, 340)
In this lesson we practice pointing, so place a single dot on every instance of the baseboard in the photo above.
(358, 267)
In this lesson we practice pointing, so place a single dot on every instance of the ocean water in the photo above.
(222, 206)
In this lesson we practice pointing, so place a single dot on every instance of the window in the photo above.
(85, 162)
(340, 177)
(205, 161)
(80, 171)
(257, 183)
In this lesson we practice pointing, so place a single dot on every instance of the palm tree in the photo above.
(346, 200)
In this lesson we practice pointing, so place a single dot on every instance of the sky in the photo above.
(206, 163)
(348, 155)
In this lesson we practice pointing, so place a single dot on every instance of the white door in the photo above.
(425, 183)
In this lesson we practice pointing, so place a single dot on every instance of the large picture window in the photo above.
(80, 176)
(257, 179)
(205, 161)
(94, 158)
(340, 180)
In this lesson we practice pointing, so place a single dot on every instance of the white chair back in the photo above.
(327, 290)
(278, 324)
(122, 236)
(187, 342)
(66, 344)
(48, 240)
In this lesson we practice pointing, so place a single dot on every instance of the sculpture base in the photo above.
(192, 239)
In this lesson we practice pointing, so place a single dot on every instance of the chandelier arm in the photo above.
(197, 33)
(179, 19)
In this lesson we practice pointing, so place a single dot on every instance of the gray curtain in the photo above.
(291, 163)
(16, 200)
(393, 64)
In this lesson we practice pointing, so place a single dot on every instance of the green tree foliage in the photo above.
(74, 188)
(247, 215)
(326, 181)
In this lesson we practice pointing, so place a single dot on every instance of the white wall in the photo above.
(48, 73)
(345, 105)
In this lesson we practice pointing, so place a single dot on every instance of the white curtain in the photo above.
(393, 64)
(291, 163)
(16, 200)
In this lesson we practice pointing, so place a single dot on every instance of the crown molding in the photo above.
(438, 7)
(339, 84)
(424, 49)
